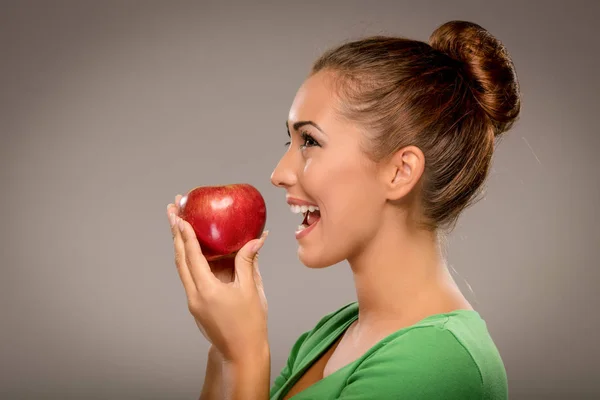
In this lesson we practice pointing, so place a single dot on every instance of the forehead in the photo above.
(315, 100)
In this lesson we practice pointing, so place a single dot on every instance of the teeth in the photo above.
(302, 209)
(301, 228)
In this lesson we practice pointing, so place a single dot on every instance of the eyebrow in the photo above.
(300, 124)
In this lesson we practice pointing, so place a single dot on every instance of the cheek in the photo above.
(351, 204)
(353, 214)
(343, 186)
(344, 229)
(349, 201)
(307, 167)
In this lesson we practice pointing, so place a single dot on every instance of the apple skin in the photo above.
(224, 217)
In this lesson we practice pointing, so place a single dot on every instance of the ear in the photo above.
(403, 171)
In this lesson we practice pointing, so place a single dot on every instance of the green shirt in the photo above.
(444, 356)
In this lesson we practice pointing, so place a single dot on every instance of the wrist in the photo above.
(257, 354)
(248, 378)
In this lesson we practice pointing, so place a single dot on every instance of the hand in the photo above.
(232, 315)
(222, 268)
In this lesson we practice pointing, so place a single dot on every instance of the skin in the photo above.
(369, 214)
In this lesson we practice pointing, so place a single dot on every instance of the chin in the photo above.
(315, 259)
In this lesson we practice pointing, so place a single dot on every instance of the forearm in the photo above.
(213, 380)
(250, 379)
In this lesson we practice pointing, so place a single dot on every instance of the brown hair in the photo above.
(451, 98)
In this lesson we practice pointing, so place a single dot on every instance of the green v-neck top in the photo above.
(443, 356)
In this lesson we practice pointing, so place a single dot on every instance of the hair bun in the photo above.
(489, 67)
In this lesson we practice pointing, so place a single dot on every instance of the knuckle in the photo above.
(207, 294)
(192, 306)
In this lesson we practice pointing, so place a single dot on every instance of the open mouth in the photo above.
(311, 214)
(310, 218)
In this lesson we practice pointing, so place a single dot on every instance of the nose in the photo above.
(283, 175)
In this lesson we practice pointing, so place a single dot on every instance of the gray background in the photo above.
(109, 109)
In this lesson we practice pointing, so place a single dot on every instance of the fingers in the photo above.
(175, 207)
(246, 257)
(255, 270)
(180, 257)
(198, 266)
(177, 203)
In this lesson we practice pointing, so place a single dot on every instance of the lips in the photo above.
(299, 202)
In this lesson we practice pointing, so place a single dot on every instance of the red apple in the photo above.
(225, 217)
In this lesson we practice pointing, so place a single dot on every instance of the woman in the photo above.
(390, 140)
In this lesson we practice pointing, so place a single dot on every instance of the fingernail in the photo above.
(180, 224)
(260, 242)
(172, 219)
(258, 245)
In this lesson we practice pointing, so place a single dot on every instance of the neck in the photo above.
(401, 277)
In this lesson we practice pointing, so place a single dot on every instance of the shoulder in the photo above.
(436, 344)
(421, 363)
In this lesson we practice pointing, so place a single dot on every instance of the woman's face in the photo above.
(327, 167)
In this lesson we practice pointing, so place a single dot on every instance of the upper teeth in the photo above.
(302, 209)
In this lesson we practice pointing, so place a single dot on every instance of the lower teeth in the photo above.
(302, 227)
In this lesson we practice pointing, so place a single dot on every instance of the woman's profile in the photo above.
(390, 140)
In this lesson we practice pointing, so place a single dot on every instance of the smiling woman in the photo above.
(391, 139)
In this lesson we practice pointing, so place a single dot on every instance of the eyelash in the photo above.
(306, 137)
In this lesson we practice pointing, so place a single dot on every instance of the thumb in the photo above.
(244, 259)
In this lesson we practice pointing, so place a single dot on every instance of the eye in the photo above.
(309, 140)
